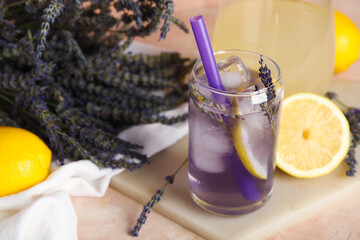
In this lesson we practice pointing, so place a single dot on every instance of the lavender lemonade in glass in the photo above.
(233, 133)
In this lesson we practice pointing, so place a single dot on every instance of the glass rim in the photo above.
(232, 94)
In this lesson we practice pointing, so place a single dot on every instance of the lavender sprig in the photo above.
(51, 13)
(167, 19)
(269, 108)
(353, 117)
(156, 198)
(78, 8)
(74, 46)
(180, 24)
(131, 5)
(265, 75)
(146, 211)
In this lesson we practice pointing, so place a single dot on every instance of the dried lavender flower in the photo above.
(146, 211)
(131, 6)
(331, 95)
(74, 46)
(167, 19)
(268, 107)
(50, 14)
(265, 76)
(155, 198)
(353, 117)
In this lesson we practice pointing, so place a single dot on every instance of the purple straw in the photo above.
(206, 52)
(245, 180)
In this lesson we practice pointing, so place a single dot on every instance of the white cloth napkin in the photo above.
(45, 212)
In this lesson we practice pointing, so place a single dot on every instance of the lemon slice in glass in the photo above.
(247, 144)
(314, 136)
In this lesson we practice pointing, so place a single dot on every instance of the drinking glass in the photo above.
(298, 35)
(233, 133)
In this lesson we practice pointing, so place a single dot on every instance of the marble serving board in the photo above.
(293, 200)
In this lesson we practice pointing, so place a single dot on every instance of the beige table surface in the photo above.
(113, 216)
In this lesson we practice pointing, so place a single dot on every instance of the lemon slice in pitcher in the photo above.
(314, 136)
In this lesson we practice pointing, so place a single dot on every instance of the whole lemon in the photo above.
(24, 160)
(347, 42)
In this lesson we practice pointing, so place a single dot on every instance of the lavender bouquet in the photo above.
(65, 75)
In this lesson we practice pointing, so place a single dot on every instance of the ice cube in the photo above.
(256, 121)
(207, 161)
(209, 142)
(217, 141)
(209, 135)
(245, 106)
(231, 81)
(234, 74)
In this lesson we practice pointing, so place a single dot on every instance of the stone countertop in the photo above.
(113, 215)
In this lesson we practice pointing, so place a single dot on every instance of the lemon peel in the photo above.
(24, 160)
(347, 42)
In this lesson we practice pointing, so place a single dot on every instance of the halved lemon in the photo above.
(314, 136)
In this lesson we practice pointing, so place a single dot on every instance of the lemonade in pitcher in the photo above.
(298, 35)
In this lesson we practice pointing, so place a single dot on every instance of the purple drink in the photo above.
(232, 135)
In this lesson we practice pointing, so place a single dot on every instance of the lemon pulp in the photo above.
(314, 136)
